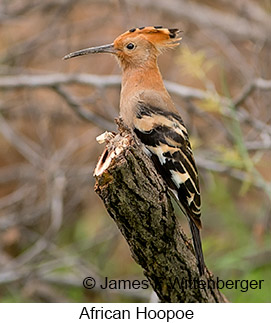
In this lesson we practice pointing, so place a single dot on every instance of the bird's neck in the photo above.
(148, 77)
(143, 84)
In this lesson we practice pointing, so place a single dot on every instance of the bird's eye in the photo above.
(130, 46)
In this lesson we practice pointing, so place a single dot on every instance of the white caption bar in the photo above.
(127, 312)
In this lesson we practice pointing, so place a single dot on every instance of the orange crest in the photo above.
(161, 38)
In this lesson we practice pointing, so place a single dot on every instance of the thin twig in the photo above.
(15, 196)
(24, 145)
(258, 145)
(260, 84)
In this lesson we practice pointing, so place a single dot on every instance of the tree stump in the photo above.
(137, 199)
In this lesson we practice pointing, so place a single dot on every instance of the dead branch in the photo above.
(108, 81)
(97, 81)
(136, 198)
(54, 81)
(82, 112)
(51, 80)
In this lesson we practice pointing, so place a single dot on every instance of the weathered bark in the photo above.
(136, 198)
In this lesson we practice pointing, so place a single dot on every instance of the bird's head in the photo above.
(137, 46)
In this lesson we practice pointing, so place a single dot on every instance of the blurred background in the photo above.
(54, 230)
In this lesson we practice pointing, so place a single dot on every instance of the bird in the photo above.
(147, 108)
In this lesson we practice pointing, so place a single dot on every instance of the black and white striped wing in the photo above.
(166, 140)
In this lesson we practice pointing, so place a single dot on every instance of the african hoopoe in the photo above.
(147, 108)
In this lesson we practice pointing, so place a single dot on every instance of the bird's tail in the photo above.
(197, 245)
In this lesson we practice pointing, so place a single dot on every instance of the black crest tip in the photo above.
(173, 32)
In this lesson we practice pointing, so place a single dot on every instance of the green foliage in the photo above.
(195, 64)
(231, 248)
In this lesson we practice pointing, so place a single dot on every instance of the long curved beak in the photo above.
(92, 50)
